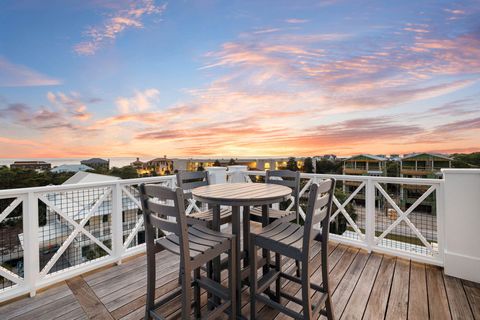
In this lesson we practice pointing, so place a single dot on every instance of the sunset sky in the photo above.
(238, 78)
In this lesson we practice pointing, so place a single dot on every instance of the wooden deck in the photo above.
(368, 286)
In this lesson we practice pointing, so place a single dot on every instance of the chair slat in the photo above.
(162, 209)
(320, 215)
(193, 185)
(158, 191)
(163, 224)
(324, 186)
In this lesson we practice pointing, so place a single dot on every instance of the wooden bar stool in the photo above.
(196, 246)
(294, 241)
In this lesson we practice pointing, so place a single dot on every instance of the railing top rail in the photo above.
(19, 191)
(416, 181)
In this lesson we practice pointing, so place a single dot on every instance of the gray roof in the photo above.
(371, 156)
(71, 168)
(94, 160)
(439, 155)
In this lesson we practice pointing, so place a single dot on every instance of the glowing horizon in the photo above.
(147, 78)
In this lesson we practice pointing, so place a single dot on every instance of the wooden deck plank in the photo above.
(362, 284)
(457, 299)
(473, 296)
(378, 300)
(437, 296)
(335, 253)
(418, 300)
(359, 298)
(89, 301)
(398, 301)
(19, 307)
(342, 293)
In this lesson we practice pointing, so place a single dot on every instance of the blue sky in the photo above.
(126, 78)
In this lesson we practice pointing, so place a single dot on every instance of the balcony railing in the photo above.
(49, 234)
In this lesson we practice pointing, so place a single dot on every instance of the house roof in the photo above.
(94, 160)
(369, 156)
(71, 168)
(86, 177)
(438, 155)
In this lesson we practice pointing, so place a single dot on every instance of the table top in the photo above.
(241, 194)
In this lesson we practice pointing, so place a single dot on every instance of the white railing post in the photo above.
(237, 173)
(117, 223)
(462, 223)
(370, 214)
(440, 205)
(31, 261)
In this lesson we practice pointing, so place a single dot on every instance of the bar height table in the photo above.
(239, 195)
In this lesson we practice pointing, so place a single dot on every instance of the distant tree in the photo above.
(217, 163)
(127, 172)
(232, 162)
(393, 169)
(308, 165)
(470, 160)
(339, 224)
(326, 166)
(200, 168)
(292, 164)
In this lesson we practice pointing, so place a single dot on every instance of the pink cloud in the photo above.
(15, 75)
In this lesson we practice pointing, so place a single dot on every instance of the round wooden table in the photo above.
(239, 195)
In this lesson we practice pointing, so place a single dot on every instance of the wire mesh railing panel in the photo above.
(348, 218)
(132, 219)
(406, 218)
(75, 227)
(11, 246)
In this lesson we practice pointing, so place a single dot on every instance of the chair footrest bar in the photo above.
(175, 293)
(279, 307)
(290, 277)
(214, 287)
(219, 309)
(291, 298)
(267, 280)
(156, 316)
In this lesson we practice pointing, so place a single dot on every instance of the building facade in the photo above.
(97, 163)
(31, 165)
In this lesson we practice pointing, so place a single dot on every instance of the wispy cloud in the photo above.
(296, 21)
(140, 102)
(15, 75)
(119, 21)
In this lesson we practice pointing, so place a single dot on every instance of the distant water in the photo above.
(114, 162)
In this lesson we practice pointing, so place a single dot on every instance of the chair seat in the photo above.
(282, 237)
(204, 244)
(205, 218)
(273, 215)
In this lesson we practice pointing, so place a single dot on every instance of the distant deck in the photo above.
(368, 286)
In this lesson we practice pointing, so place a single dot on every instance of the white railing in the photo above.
(379, 214)
(49, 234)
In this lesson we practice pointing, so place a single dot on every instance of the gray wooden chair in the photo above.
(196, 245)
(191, 180)
(286, 178)
(294, 241)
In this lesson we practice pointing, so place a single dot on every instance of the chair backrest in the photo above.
(286, 178)
(319, 210)
(188, 180)
(158, 204)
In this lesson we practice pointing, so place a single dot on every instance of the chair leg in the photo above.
(186, 294)
(151, 278)
(196, 294)
(232, 279)
(253, 278)
(297, 264)
(329, 307)
(278, 267)
(306, 296)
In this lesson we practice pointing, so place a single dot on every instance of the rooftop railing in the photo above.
(49, 234)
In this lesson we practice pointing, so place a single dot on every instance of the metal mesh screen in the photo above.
(93, 205)
(395, 233)
(11, 233)
(349, 218)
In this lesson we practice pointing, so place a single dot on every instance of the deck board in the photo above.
(364, 286)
